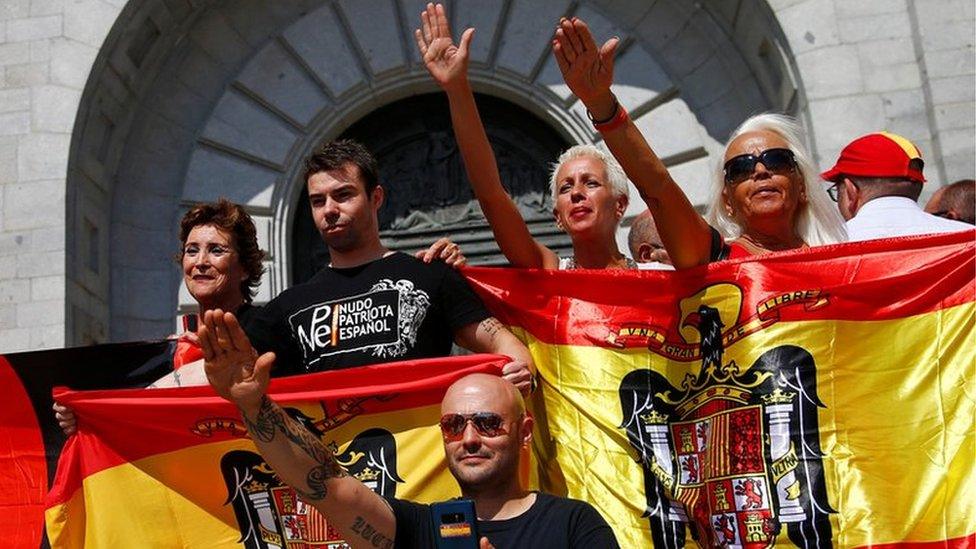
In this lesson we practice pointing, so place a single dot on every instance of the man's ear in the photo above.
(527, 423)
(377, 197)
(852, 193)
(644, 252)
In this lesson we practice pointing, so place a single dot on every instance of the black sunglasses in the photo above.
(742, 167)
(488, 424)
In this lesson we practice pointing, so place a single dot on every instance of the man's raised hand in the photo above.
(446, 62)
(233, 367)
(586, 69)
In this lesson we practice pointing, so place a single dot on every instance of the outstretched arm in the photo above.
(448, 65)
(297, 456)
(588, 71)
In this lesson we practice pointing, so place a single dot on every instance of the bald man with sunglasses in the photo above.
(485, 427)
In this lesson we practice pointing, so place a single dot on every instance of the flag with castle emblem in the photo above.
(817, 398)
(175, 467)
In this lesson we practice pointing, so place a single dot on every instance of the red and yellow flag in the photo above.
(822, 398)
(175, 468)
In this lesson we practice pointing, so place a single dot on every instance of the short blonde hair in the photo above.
(615, 174)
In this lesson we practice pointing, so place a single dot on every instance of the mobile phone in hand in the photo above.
(455, 524)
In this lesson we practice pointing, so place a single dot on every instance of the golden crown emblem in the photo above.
(654, 418)
(778, 397)
(368, 474)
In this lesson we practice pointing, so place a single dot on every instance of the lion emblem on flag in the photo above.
(732, 454)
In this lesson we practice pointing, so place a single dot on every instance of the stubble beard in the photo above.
(481, 481)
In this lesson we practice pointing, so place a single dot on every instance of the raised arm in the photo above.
(588, 71)
(298, 457)
(448, 65)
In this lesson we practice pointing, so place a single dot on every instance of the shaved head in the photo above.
(491, 393)
(645, 242)
(486, 462)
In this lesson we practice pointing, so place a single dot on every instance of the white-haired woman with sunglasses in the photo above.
(590, 190)
(764, 200)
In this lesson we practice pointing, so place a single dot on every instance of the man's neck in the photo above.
(360, 255)
(875, 198)
(498, 506)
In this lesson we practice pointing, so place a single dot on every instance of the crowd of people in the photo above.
(372, 305)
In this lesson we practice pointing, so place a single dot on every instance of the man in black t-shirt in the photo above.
(371, 305)
(484, 427)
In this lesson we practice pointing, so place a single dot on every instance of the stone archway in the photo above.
(427, 191)
(224, 98)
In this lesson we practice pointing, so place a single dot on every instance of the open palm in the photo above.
(233, 367)
(446, 61)
(586, 69)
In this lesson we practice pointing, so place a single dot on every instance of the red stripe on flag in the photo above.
(120, 417)
(586, 302)
(23, 479)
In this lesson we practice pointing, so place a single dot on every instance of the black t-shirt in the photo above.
(394, 308)
(551, 523)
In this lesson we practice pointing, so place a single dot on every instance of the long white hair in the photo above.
(818, 222)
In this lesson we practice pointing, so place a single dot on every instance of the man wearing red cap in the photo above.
(876, 184)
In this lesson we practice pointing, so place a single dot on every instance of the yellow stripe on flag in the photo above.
(896, 429)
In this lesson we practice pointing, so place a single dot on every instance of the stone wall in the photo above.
(47, 48)
(75, 75)
(905, 66)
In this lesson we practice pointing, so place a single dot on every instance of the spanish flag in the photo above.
(818, 398)
(175, 467)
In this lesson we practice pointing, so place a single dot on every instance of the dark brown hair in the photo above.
(232, 218)
(333, 155)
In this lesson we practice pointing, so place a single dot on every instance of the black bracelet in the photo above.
(613, 114)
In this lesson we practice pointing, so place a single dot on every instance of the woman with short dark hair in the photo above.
(221, 263)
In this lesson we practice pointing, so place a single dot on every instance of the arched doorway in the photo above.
(191, 102)
(427, 190)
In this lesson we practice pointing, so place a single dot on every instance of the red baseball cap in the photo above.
(879, 154)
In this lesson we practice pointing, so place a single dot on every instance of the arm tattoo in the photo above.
(369, 533)
(265, 422)
(176, 378)
(271, 418)
(492, 326)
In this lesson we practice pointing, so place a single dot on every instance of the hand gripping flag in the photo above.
(175, 467)
(818, 398)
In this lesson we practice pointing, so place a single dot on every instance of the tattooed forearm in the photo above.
(369, 533)
(317, 451)
(270, 419)
(266, 421)
(316, 481)
(492, 326)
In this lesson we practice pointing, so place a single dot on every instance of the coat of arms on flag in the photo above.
(733, 453)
